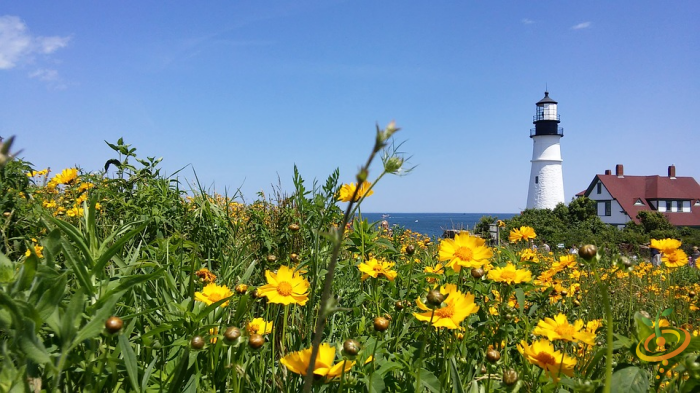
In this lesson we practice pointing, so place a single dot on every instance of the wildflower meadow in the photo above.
(126, 280)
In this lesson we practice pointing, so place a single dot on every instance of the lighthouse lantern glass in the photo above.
(550, 112)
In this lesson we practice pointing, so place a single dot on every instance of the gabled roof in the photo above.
(627, 190)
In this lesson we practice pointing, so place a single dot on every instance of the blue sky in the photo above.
(241, 91)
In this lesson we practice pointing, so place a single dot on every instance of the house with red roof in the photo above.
(621, 197)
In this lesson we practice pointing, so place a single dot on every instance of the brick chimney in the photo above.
(608, 172)
(672, 171)
(619, 170)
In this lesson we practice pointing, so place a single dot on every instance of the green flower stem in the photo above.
(422, 348)
(609, 329)
(338, 240)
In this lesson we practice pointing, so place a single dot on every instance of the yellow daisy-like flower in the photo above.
(37, 250)
(457, 307)
(67, 176)
(464, 250)
(259, 326)
(559, 328)
(666, 246)
(437, 270)
(675, 258)
(285, 287)
(212, 293)
(501, 223)
(298, 362)
(509, 274)
(348, 190)
(374, 268)
(565, 261)
(542, 354)
(75, 211)
(529, 255)
(522, 233)
(205, 275)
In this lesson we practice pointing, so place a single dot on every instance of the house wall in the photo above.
(616, 217)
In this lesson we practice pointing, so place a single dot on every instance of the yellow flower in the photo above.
(666, 246)
(438, 269)
(37, 251)
(524, 234)
(285, 287)
(374, 268)
(542, 354)
(675, 258)
(529, 255)
(457, 307)
(565, 261)
(559, 328)
(259, 326)
(464, 251)
(75, 211)
(348, 190)
(298, 362)
(501, 223)
(213, 332)
(212, 293)
(205, 275)
(67, 176)
(509, 274)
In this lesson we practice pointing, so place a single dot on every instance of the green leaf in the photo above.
(71, 318)
(31, 346)
(124, 284)
(377, 383)
(94, 327)
(26, 273)
(132, 367)
(74, 234)
(7, 269)
(454, 374)
(630, 379)
(106, 255)
(429, 381)
(77, 266)
(520, 296)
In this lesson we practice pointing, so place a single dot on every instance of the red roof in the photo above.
(628, 190)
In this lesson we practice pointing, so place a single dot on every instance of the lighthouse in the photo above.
(546, 187)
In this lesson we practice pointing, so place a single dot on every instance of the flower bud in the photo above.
(477, 272)
(197, 342)
(510, 377)
(294, 257)
(232, 333)
(294, 227)
(241, 289)
(362, 176)
(588, 252)
(435, 298)
(256, 341)
(271, 258)
(493, 355)
(351, 347)
(410, 249)
(393, 164)
(398, 305)
(381, 324)
(114, 324)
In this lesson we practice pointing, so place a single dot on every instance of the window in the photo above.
(608, 208)
(537, 179)
(598, 188)
(639, 202)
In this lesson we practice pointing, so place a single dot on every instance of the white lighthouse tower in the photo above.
(546, 187)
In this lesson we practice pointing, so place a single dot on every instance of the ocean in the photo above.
(433, 224)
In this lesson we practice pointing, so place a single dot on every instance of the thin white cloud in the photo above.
(527, 21)
(18, 46)
(582, 25)
(45, 75)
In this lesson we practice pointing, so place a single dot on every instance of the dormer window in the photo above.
(598, 188)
